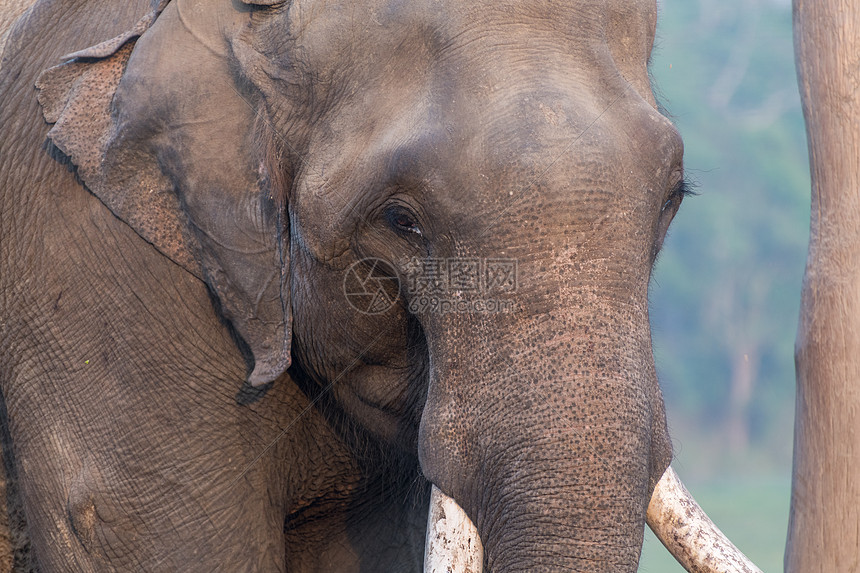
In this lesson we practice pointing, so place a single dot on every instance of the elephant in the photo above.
(275, 273)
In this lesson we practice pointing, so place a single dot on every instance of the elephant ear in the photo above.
(159, 130)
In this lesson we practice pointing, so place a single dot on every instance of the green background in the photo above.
(726, 293)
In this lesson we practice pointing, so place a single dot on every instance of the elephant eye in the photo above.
(402, 220)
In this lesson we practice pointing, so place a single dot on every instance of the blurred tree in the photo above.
(726, 292)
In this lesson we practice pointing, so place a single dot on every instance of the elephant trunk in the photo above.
(553, 468)
(453, 544)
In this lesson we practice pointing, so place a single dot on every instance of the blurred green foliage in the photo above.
(726, 292)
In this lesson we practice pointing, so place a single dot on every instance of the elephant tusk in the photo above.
(453, 544)
(682, 526)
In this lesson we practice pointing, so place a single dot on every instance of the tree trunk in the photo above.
(744, 374)
(824, 526)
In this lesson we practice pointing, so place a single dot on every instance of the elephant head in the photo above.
(443, 213)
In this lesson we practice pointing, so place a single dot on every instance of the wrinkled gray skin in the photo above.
(186, 227)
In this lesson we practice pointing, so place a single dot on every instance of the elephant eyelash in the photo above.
(684, 188)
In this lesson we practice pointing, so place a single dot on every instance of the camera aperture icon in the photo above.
(371, 286)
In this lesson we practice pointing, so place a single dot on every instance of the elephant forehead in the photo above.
(550, 65)
(555, 136)
(630, 32)
(567, 16)
(559, 158)
(383, 31)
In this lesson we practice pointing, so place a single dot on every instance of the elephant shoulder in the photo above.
(25, 26)
(9, 14)
(35, 39)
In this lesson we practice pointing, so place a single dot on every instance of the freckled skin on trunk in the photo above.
(586, 510)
